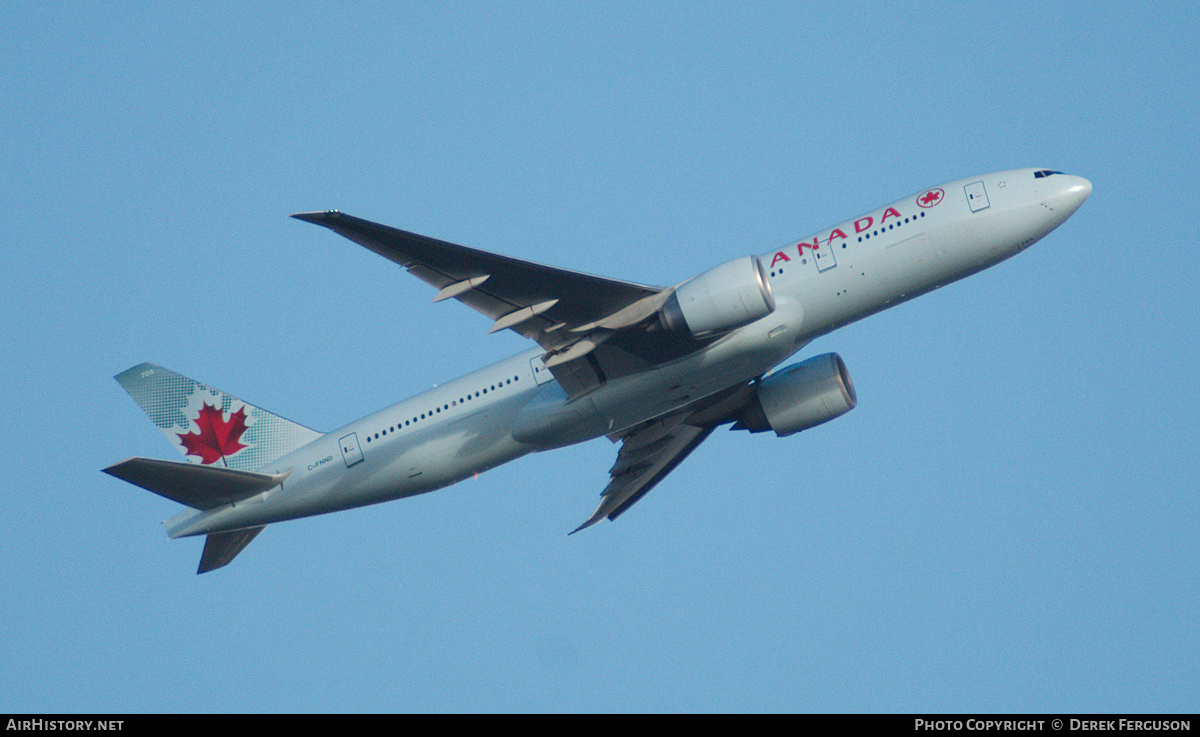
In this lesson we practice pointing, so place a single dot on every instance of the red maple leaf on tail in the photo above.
(218, 437)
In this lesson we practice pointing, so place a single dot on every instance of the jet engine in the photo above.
(721, 299)
(800, 396)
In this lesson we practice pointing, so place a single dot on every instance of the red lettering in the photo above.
(858, 228)
(805, 244)
(890, 212)
(837, 233)
(779, 256)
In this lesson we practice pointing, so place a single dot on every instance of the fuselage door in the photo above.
(824, 256)
(351, 450)
(820, 252)
(977, 197)
(541, 374)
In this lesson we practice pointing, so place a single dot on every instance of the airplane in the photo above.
(656, 369)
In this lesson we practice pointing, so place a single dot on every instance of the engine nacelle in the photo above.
(721, 299)
(800, 396)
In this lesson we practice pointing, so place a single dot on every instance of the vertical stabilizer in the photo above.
(209, 426)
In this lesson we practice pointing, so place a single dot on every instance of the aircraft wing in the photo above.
(646, 457)
(592, 328)
(653, 449)
(517, 294)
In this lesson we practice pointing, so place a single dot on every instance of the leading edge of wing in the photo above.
(498, 286)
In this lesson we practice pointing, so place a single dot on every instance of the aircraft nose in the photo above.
(1071, 192)
(1080, 188)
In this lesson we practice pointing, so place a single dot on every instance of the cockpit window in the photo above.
(1044, 173)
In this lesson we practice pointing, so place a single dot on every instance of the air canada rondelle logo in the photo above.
(931, 198)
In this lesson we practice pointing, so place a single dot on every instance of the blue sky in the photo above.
(1007, 522)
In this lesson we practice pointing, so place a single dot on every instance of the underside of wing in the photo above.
(534, 300)
(641, 464)
(585, 323)
(653, 449)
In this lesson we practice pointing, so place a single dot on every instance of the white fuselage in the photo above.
(515, 407)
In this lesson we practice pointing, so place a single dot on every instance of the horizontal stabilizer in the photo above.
(222, 547)
(197, 486)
